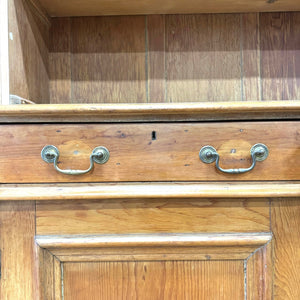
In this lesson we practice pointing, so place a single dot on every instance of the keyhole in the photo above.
(153, 135)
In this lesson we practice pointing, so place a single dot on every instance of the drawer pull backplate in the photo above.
(208, 154)
(50, 154)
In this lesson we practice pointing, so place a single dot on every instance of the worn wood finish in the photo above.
(28, 52)
(173, 156)
(203, 63)
(286, 228)
(91, 7)
(111, 113)
(4, 66)
(176, 58)
(108, 59)
(18, 253)
(155, 58)
(154, 280)
(46, 274)
(153, 240)
(60, 86)
(50, 276)
(250, 57)
(128, 216)
(280, 64)
(95, 191)
(259, 274)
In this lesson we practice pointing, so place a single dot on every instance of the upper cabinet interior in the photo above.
(142, 51)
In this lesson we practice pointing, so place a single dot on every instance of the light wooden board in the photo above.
(159, 190)
(130, 7)
(60, 61)
(19, 267)
(108, 59)
(203, 58)
(259, 274)
(135, 156)
(176, 58)
(286, 229)
(128, 216)
(154, 280)
(155, 112)
(280, 63)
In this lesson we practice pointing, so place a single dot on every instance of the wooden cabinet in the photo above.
(155, 230)
(153, 221)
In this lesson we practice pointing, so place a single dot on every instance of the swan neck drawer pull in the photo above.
(50, 154)
(209, 154)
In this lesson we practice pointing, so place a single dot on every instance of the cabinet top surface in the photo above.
(150, 112)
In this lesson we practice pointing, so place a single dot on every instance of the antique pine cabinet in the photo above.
(150, 149)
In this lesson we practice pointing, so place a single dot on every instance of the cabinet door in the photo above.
(154, 249)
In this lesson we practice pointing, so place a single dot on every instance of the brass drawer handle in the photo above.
(209, 154)
(50, 154)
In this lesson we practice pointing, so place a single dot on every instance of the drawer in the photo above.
(150, 151)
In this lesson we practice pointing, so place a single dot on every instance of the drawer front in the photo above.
(149, 152)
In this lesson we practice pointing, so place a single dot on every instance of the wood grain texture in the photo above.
(154, 280)
(134, 156)
(60, 61)
(50, 276)
(250, 60)
(177, 190)
(286, 229)
(128, 216)
(260, 274)
(155, 112)
(154, 246)
(203, 57)
(121, 7)
(280, 63)
(108, 59)
(28, 52)
(179, 58)
(46, 274)
(155, 58)
(4, 58)
(19, 265)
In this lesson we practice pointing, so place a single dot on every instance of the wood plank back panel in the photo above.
(147, 216)
(280, 63)
(203, 57)
(60, 61)
(135, 156)
(154, 280)
(176, 58)
(108, 59)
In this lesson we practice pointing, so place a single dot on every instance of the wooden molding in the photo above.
(155, 240)
(201, 246)
(156, 112)
(148, 190)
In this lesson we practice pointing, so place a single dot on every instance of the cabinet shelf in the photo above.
(58, 8)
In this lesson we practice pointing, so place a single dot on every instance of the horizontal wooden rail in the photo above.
(150, 112)
(155, 240)
(148, 190)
